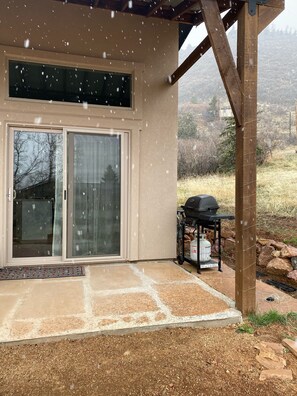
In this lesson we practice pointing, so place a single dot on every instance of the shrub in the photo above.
(196, 157)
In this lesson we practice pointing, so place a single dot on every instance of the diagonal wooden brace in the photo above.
(223, 55)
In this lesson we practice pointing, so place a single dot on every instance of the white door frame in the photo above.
(51, 260)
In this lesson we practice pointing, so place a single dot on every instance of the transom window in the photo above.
(69, 84)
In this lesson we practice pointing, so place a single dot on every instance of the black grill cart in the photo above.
(200, 212)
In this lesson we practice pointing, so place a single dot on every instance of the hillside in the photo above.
(277, 72)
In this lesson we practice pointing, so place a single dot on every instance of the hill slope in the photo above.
(277, 71)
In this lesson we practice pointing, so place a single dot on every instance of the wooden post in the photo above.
(246, 143)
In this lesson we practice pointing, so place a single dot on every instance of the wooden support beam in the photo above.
(229, 19)
(222, 52)
(246, 143)
(266, 16)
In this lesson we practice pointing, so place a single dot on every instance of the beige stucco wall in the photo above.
(148, 48)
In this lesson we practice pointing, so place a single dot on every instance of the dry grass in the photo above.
(276, 186)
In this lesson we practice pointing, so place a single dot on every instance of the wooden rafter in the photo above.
(154, 7)
(229, 19)
(163, 10)
(223, 54)
(124, 5)
(182, 8)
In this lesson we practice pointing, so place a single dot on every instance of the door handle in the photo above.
(11, 195)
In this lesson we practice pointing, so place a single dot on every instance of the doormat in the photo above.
(19, 273)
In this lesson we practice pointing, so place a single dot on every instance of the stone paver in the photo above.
(15, 286)
(163, 272)
(189, 300)
(123, 304)
(51, 300)
(60, 325)
(113, 278)
(21, 329)
(7, 303)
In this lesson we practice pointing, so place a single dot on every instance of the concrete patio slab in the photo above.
(110, 297)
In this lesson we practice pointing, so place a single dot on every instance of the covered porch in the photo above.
(155, 293)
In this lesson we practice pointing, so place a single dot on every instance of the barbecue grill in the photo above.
(200, 211)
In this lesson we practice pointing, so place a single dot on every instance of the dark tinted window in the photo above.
(67, 84)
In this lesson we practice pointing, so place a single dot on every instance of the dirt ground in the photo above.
(182, 361)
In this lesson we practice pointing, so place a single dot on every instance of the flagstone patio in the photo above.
(111, 297)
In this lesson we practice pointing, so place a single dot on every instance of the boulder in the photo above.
(229, 245)
(288, 251)
(225, 233)
(279, 266)
(293, 275)
(265, 256)
(278, 245)
(276, 253)
(265, 242)
(258, 248)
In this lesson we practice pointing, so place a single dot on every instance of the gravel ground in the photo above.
(183, 361)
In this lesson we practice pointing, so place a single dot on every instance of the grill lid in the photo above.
(200, 203)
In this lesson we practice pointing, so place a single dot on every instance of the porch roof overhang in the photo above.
(187, 13)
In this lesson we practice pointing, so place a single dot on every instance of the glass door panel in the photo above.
(94, 195)
(37, 194)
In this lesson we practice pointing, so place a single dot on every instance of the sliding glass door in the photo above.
(36, 193)
(94, 195)
(67, 195)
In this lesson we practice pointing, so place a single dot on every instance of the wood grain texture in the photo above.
(246, 143)
(223, 54)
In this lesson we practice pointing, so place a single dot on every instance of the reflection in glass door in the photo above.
(37, 194)
(94, 195)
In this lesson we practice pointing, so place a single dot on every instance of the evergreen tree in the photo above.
(187, 127)
(227, 148)
(213, 109)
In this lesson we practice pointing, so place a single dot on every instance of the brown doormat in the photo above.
(19, 273)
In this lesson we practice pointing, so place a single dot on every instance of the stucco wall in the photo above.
(147, 46)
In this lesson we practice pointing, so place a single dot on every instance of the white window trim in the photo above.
(133, 68)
